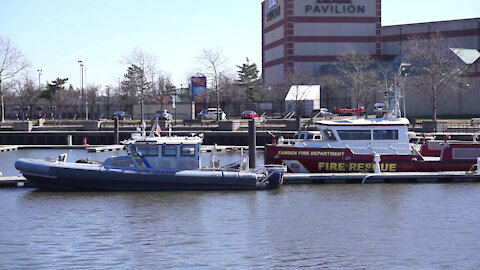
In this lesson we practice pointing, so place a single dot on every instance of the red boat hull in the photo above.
(331, 160)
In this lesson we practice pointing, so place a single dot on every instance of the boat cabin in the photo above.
(362, 136)
(160, 153)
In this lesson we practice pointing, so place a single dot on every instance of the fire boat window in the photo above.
(169, 150)
(145, 150)
(350, 135)
(312, 136)
(327, 134)
(385, 134)
(187, 150)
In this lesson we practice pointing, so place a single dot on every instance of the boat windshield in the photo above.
(144, 150)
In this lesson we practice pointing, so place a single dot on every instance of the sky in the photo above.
(54, 34)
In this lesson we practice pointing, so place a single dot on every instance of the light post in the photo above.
(83, 96)
(39, 74)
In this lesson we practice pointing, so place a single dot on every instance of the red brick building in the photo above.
(301, 36)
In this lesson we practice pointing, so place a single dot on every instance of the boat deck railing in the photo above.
(397, 148)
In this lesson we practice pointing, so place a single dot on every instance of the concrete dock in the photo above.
(13, 182)
(105, 148)
(387, 178)
(6, 148)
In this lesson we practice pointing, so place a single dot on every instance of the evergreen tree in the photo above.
(248, 78)
(51, 90)
(134, 86)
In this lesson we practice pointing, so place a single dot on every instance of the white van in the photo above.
(211, 113)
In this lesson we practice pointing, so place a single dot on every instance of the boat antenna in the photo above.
(144, 127)
(395, 93)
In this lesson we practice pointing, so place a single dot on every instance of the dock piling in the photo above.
(116, 139)
(252, 143)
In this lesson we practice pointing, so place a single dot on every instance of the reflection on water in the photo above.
(312, 226)
(404, 226)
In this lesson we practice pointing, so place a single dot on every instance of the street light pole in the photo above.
(39, 74)
(86, 92)
(80, 62)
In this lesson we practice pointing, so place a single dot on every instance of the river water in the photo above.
(375, 226)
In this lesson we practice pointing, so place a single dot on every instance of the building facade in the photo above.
(301, 36)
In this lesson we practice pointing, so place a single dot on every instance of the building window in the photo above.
(272, 3)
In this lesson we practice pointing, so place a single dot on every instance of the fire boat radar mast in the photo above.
(395, 93)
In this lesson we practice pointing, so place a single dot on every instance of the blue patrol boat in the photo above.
(151, 163)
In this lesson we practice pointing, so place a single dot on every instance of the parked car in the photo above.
(121, 115)
(164, 115)
(211, 113)
(249, 114)
(322, 112)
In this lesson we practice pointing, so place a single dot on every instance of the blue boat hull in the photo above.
(70, 176)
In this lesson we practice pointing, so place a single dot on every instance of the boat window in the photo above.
(349, 135)
(169, 150)
(385, 134)
(466, 153)
(296, 136)
(313, 136)
(187, 150)
(145, 150)
(327, 134)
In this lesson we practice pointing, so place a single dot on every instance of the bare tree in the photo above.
(435, 72)
(92, 97)
(67, 96)
(161, 88)
(213, 64)
(147, 63)
(12, 62)
(108, 98)
(232, 93)
(358, 74)
(144, 60)
(27, 94)
(329, 84)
